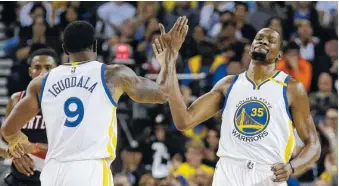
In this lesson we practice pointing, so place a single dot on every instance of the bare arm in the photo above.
(138, 88)
(23, 111)
(201, 109)
(305, 127)
(13, 100)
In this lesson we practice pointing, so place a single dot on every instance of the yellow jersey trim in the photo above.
(257, 86)
(107, 175)
(112, 142)
(290, 143)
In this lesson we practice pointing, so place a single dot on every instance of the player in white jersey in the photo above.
(257, 129)
(79, 102)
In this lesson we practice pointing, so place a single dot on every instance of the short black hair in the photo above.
(44, 52)
(291, 46)
(228, 23)
(239, 3)
(78, 36)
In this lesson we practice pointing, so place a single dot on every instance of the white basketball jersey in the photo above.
(79, 112)
(256, 123)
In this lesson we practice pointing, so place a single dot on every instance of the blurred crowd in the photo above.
(151, 152)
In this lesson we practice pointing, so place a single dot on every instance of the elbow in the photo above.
(317, 149)
(183, 126)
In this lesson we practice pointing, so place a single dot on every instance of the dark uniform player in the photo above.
(41, 61)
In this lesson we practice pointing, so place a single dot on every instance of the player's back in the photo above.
(79, 112)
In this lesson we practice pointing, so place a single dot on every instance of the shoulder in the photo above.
(296, 90)
(223, 84)
(119, 70)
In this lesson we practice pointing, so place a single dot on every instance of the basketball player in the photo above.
(79, 102)
(41, 61)
(257, 130)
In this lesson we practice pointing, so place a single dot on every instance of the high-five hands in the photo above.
(167, 46)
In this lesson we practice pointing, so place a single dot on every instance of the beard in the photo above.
(259, 56)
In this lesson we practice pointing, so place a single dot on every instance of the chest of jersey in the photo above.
(256, 116)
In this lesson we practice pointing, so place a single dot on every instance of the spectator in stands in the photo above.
(40, 35)
(112, 16)
(32, 10)
(327, 63)
(147, 180)
(121, 180)
(228, 42)
(132, 167)
(234, 67)
(147, 19)
(308, 44)
(160, 156)
(210, 12)
(182, 8)
(296, 66)
(211, 144)
(68, 16)
(327, 10)
(246, 57)
(190, 46)
(324, 98)
(245, 30)
(194, 156)
(224, 17)
(265, 11)
(201, 178)
(276, 24)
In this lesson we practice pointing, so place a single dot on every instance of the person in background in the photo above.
(324, 98)
(109, 24)
(210, 12)
(121, 180)
(148, 180)
(276, 24)
(190, 47)
(30, 11)
(327, 63)
(234, 67)
(132, 167)
(309, 44)
(245, 30)
(224, 17)
(194, 156)
(211, 144)
(296, 66)
(201, 178)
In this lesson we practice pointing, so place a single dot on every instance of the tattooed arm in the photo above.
(122, 79)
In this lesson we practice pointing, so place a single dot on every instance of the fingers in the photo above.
(183, 35)
(158, 45)
(155, 49)
(162, 29)
(24, 165)
(183, 26)
(177, 24)
(280, 172)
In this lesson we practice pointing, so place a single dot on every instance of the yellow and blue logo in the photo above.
(251, 118)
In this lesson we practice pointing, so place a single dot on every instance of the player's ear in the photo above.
(64, 49)
(30, 71)
(95, 44)
(279, 57)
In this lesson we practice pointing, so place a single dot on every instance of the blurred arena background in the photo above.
(151, 151)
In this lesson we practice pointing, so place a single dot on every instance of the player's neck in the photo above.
(259, 72)
(82, 56)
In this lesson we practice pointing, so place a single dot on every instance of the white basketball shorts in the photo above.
(239, 172)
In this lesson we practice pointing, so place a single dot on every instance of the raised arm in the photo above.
(122, 79)
(305, 127)
(201, 109)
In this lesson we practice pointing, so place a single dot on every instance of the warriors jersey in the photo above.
(79, 112)
(256, 122)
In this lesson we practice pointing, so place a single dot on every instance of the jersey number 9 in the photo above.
(74, 116)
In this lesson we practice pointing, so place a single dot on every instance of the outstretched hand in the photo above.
(167, 46)
(176, 36)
